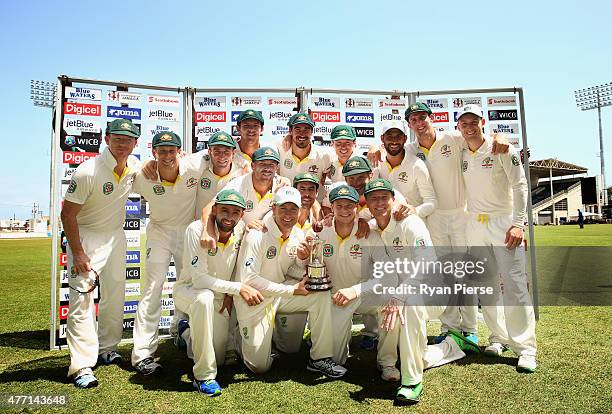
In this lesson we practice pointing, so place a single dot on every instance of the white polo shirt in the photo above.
(210, 269)
(411, 178)
(495, 184)
(443, 161)
(101, 192)
(317, 162)
(172, 204)
(257, 205)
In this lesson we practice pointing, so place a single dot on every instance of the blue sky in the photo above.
(548, 50)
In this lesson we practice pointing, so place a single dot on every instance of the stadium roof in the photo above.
(559, 168)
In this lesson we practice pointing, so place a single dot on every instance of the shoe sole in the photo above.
(312, 369)
(91, 384)
(525, 370)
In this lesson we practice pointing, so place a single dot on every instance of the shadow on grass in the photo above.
(26, 339)
(52, 368)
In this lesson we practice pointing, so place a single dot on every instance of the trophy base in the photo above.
(318, 284)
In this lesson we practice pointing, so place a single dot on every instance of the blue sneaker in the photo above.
(179, 341)
(368, 342)
(440, 338)
(85, 379)
(209, 387)
(109, 357)
(471, 336)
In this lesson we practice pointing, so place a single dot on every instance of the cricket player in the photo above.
(93, 214)
(265, 261)
(407, 173)
(171, 200)
(346, 259)
(496, 192)
(250, 126)
(303, 156)
(409, 239)
(205, 288)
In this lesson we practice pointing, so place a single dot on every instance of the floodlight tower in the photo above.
(591, 98)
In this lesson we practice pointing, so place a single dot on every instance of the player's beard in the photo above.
(224, 227)
(394, 152)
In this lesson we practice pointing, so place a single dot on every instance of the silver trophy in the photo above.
(318, 280)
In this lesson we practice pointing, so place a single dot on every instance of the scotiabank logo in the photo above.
(70, 157)
(210, 116)
(439, 117)
(321, 116)
(82, 109)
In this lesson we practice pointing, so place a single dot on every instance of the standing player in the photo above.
(92, 215)
(250, 125)
(205, 288)
(404, 239)
(496, 191)
(265, 261)
(171, 199)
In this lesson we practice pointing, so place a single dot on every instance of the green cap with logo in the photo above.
(222, 138)
(250, 114)
(166, 139)
(122, 126)
(301, 118)
(416, 107)
(356, 165)
(343, 132)
(306, 178)
(378, 184)
(265, 153)
(343, 191)
(231, 198)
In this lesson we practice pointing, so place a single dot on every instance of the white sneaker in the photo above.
(527, 364)
(389, 373)
(495, 349)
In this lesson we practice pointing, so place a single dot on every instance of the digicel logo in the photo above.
(210, 116)
(63, 259)
(439, 117)
(77, 157)
(319, 116)
(82, 109)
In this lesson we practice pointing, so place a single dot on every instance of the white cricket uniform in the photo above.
(411, 178)
(210, 183)
(257, 205)
(409, 238)
(172, 206)
(207, 276)
(265, 261)
(348, 262)
(446, 224)
(102, 194)
(317, 162)
(496, 192)
(334, 174)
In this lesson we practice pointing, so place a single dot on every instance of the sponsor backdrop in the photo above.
(85, 111)
(85, 114)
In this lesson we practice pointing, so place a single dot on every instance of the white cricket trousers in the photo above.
(415, 354)
(447, 230)
(208, 329)
(486, 233)
(163, 242)
(86, 339)
(257, 325)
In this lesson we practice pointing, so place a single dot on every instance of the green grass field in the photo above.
(573, 375)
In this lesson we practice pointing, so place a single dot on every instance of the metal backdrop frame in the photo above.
(303, 95)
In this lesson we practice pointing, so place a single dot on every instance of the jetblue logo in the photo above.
(132, 256)
(123, 112)
(359, 118)
(235, 115)
(130, 306)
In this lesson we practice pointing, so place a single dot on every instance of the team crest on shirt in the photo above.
(271, 252)
(159, 189)
(313, 169)
(421, 156)
(191, 182)
(445, 150)
(213, 252)
(328, 250)
(419, 242)
(464, 166)
(249, 205)
(237, 245)
(288, 163)
(107, 188)
(514, 159)
(397, 245)
(403, 177)
(355, 251)
(72, 187)
(292, 251)
(245, 332)
(283, 321)
(205, 183)
(487, 162)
